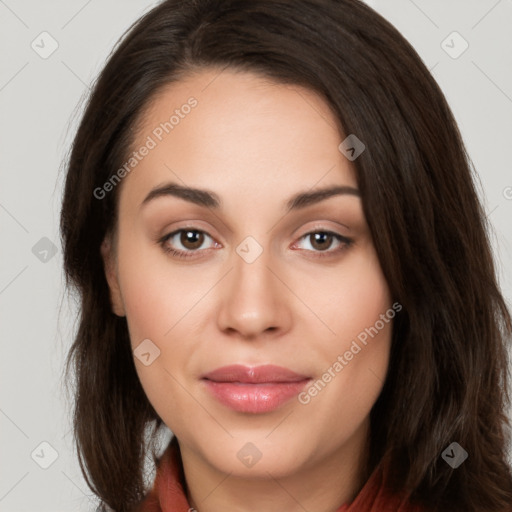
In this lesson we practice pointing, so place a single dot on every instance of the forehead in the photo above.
(237, 133)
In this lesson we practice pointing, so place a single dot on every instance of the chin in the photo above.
(254, 456)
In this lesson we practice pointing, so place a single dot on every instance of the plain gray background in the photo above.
(39, 108)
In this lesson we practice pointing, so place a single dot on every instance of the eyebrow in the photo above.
(210, 199)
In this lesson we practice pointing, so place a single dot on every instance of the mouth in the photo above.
(254, 389)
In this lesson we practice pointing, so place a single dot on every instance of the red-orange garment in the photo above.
(168, 492)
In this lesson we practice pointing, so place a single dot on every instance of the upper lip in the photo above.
(254, 374)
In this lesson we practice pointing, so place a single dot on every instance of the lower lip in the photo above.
(254, 398)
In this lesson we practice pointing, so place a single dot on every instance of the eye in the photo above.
(190, 239)
(322, 242)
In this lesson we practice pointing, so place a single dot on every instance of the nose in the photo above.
(254, 301)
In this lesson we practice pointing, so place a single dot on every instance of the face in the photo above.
(243, 274)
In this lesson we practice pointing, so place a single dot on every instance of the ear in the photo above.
(109, 265)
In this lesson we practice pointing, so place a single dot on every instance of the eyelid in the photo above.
(191, 225)
(321, 226)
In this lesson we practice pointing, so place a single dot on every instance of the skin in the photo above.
(255, 143)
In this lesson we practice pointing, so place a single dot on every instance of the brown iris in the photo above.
(194, 238)
(321, 240)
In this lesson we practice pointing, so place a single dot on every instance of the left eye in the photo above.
(321, 241)
(191, 241)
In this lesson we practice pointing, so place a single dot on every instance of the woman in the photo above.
(270, 218)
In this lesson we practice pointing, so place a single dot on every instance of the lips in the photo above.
(253, 375)
(254, 389)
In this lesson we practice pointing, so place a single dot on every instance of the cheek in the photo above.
(160, 306)
(336, 404)
(349, 299)
(365, 328)
(155, 293)
(355, 359)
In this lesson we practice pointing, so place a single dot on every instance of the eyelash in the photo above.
(347, 242)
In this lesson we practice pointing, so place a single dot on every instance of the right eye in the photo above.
(190, 239)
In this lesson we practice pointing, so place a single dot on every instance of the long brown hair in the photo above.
(448, 375)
